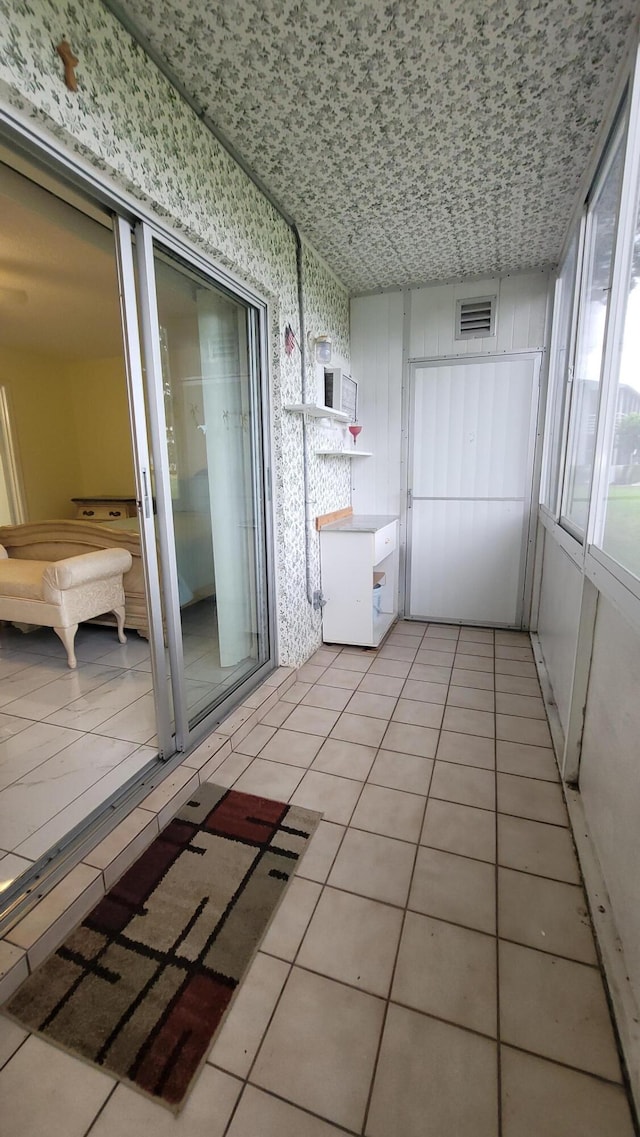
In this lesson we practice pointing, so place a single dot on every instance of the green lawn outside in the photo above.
(622, 527)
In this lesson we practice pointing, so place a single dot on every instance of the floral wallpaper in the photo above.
(412, 140)
(128, 121)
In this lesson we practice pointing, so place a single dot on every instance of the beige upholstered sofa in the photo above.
(60, 594)
(57, 540)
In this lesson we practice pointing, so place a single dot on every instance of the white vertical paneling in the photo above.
(558, 618)
(609, 774)
(465, 560)
(472, 428)
(376, 360)
(520, 316)
(521, 312)
(432, 312)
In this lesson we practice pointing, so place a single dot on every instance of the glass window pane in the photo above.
(622, 519)
(213, 421)
(563, 306)
(598, 259)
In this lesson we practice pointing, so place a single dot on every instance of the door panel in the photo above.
(465, 560)
(471, 453)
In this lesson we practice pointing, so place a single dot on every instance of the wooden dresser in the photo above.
(104, 508)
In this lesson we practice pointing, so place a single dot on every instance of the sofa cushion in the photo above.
(22, 579)
(73, 572)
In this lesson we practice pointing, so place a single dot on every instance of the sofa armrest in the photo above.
(86, 568)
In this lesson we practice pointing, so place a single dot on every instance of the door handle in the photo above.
(409, 499)
(145, 494)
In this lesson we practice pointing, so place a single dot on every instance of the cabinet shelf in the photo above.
(315, 411)
(345, 453)
(381, 623)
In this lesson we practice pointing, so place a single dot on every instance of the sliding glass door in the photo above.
(205, 422)
(132, 417)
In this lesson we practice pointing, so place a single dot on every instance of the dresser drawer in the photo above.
(101, 512)
(385, 541)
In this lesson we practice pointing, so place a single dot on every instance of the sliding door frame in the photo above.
(148, 241)
(142, 466)
(29, 149)
(157, 433)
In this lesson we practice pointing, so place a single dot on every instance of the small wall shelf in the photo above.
(315, 411)
(346, 453)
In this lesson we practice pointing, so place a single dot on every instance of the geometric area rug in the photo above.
(143, 984)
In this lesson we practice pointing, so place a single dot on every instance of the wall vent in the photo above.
(476, 317)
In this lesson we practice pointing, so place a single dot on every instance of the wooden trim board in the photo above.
(337, 515)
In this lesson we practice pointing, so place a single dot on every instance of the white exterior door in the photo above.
(471, 445)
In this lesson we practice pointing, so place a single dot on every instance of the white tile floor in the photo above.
(413, 983)
(70, 739)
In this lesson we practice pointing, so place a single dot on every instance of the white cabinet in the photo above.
(359, 565)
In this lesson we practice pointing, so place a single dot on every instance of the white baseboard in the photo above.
(626, 1012)
(621, 996)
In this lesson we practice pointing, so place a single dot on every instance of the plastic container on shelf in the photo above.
(377, 598)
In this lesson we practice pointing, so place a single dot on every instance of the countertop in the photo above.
(359, 523)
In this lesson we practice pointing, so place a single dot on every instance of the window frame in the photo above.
(617, 137)
(611, 579)
(10, 465)
(560, 382)
(628, 213)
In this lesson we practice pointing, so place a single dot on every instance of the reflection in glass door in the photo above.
(201, 350)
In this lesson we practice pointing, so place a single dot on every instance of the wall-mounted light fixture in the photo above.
(322, 348)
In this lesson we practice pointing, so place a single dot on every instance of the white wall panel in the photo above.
(558, 619)
(433, 311)
(610, 773)
(465, 560)
(376, 360)
(520, 316)
(522, 302)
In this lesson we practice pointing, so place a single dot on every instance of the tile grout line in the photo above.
(413, 793)
(438, 920)
(402, 928)
(103, 1106)
(406, 909)
(286, 1101)
(18, 1047)
(497, 897)
(292, 963)
(324, 885)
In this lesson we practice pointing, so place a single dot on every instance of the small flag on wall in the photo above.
(289, 339)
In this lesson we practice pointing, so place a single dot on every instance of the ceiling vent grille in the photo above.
(476, 317)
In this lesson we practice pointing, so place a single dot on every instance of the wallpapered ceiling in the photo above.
(412, 140)
(127, 120)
